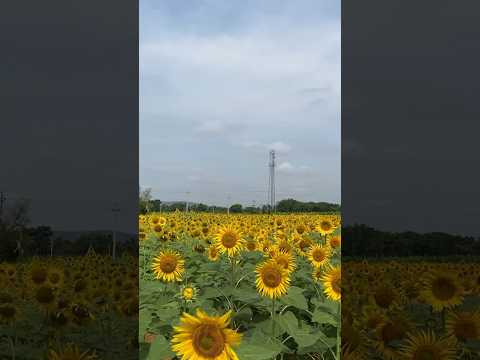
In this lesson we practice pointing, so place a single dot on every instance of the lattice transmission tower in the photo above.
(271, 182)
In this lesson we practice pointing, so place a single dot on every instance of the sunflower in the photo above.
(9, 312)
(372, 317)
(303, 245)
(353, 338)
(317, 274)
(300, 228)
(213, 253)
(319, 255)
(46, 298)
(38, 274)
(203, 337)
(390, 332)
(332, 282)
(272, 279)
(229, 240)
(335, 241)
(70, 352)
(425, 345)
(168, 266)
(188, 293)
(442, 290)
(464, 325)
(251, 245)
(55, 277)
(385, 296)
(325, 227)
(286, 260)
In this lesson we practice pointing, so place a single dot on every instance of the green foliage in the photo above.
(305, 321)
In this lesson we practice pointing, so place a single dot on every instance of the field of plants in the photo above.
(411, 309)
(78, 308)
(237, 286)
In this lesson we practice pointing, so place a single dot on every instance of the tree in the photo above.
(145, 200)
(42, 237)
(236, 208)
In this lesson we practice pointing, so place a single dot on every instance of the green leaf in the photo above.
(295, 298)
(324, 318)
(144, 318)
(257, 352)
(288, 322)
(245, 294)
(302, 335)
(160, 349)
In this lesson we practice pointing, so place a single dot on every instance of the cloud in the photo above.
(222, 93)
(280, 147)
(285, 167)
(288, 167)
(217, 127)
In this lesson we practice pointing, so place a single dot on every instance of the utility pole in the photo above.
(228, 204)
(115, 211)
(186, 204)
(271, 183)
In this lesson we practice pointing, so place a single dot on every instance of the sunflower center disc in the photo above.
(383, 298)
(390, 333)
(325, 226)
(188, 293)
(443, 289)
(337, 285)
(45, 295)
(272, 278)
(318, 255)
(466, 330)
(208, 341)
(229, 240)
(168, 265)
(425, 354)
(7, 311)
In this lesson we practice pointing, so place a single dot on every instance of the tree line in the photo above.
(360, 240)
(19, 239)
(148, 204)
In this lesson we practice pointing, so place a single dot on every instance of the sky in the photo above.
(223, 82)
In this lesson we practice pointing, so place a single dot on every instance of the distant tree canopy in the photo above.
(288, 205)
(236, 208)
(291, 205)
(364, 241)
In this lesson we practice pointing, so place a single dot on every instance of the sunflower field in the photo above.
(411, 309)
(238, 286)
(79, 308)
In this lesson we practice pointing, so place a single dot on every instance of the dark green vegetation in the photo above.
(365, 241)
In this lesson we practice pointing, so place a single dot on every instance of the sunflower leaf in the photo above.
(295, 298)
(324, 318)
(160, 349)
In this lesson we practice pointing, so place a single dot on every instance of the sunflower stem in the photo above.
(338, 331)
(273, 318)
(232, 261)
(12, 346)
